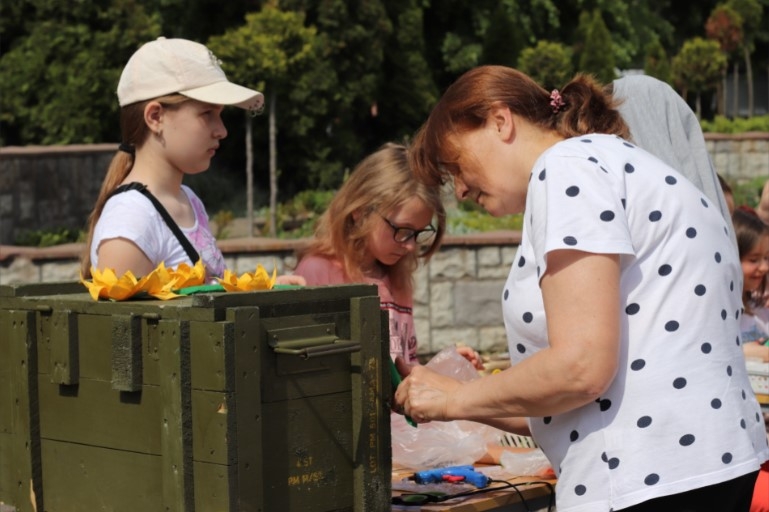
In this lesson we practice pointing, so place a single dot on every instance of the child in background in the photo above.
(171, 93)
(753, 245)
(375, 230)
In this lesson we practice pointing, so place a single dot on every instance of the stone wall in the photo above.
(457, 296)
(49, 187)
(741, 157)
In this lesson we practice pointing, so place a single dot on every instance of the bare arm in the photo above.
(291, 279)
(121, 255)
(582, 306)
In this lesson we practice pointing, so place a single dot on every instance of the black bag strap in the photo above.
(140, 187)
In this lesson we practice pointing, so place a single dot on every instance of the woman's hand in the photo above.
(471, 355)
(424, 394)
(291, 279)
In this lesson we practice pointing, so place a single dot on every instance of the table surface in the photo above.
(530, 488)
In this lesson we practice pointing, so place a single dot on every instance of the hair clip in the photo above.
(556, 101)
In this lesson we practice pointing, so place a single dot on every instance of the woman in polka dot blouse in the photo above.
(622, 306)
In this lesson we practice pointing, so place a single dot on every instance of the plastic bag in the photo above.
(442, 443)
(526, 463)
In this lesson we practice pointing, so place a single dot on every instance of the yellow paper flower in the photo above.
(107, 285)
(159, 283)
(248, 281)
(189, 276)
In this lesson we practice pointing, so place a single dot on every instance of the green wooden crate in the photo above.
(260, 401)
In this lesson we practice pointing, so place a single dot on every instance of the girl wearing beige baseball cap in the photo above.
(171, 93)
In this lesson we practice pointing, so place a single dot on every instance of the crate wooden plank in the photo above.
(371, 391)
(126, 360)
(314, 298)
(247, 418)
(20, 459)
(212, 355)
(59, 328)
(94, 343)
(176, 410)
(212, 426)
(150, 351)
(93, 413)
(214, 487)
(95, 348)
(21, 290)
(308, 450)
(82, 478)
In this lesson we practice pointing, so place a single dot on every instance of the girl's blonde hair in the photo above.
(134, 132)
(582, 106)
(379, 184)
(749, 229)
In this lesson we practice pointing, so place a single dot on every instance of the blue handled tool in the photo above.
(452, 474)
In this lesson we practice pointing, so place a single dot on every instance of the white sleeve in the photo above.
(131, 216)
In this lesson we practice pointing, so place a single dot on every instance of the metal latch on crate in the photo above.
(310, 341)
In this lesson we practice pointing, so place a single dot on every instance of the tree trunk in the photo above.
(749, 79)
(721, 95)
(736, 91)
(273, 170)
(249, 174)
(698, 105)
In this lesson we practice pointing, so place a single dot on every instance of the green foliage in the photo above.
(748, 193)
(503, 40)
(223, 219)
(699, 65)
(310, 202)
(405, 98)
(59, 79)
(721, 124)
(49, 237)
(752, 13)
(377, 66)
(657, 62)
(597, 57)
(460, 221)
(548, 63)
(270, 46)
(460, 55)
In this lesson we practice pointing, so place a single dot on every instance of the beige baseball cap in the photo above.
(168, 66)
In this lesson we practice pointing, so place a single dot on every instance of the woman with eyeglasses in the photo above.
(379, 225)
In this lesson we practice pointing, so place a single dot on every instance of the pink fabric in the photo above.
(320, 271)
(203, 240)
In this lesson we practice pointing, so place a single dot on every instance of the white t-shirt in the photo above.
(680, 413)
(132, 216)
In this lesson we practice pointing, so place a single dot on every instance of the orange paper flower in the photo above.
(248, 281)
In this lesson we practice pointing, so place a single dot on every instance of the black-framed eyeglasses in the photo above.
(402, 234)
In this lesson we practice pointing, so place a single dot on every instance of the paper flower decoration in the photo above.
(159, 283)
(248, 281)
